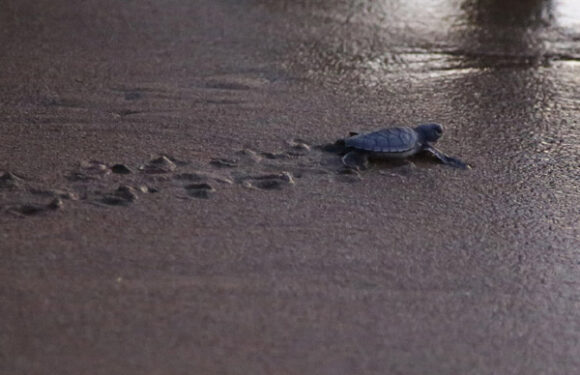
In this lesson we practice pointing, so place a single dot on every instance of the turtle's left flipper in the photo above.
(447, 160)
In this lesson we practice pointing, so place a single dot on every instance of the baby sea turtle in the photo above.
(395, 143)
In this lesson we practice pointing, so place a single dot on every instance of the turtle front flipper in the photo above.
(356, 160)
(447, 160)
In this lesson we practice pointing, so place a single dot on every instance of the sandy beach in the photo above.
(168, 205)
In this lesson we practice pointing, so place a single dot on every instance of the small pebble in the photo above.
(143, 189)
(89, 170)
(94, 167)
(120, 169)
(126, 192)
(123, 196)
(160, 165)
(249, 156)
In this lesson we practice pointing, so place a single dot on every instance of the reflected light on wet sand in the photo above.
(568, 13)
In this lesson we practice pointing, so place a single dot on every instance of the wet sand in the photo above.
(165, 207)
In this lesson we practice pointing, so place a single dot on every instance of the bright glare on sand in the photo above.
(568, 12)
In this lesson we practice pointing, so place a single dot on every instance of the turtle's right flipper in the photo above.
(447, 160)
(456, 163)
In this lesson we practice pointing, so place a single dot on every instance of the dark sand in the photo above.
(214, 261)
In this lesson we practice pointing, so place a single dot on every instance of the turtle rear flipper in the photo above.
(356, 160)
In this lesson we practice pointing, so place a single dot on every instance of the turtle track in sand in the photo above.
(120, 185)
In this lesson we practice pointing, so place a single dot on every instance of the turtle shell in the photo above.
(390, 141)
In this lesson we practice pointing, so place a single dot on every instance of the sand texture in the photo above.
(172, 200)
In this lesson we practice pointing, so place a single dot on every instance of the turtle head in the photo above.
(429, 132)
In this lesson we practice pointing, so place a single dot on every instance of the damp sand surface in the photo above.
(171, 203)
